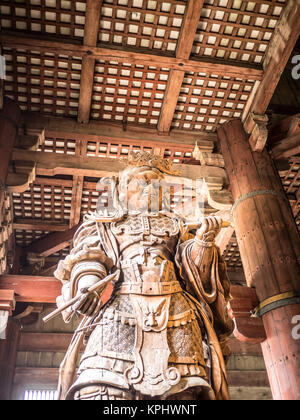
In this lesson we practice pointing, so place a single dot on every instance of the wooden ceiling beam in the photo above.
(51, 164)
(51, 243)
(41, 289)
(91, 31)
(77, 191)
(114, 132)
(286, 148)
(36, 289)
(183, 51)
(39, 225)
(284, 39)
(131, 55)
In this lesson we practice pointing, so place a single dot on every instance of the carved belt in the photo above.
(150, 288)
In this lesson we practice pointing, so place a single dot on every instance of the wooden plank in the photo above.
(52, 243)
(91, 31)
(257, 378)
(132, 55)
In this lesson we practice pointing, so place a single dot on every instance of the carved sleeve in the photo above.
(86, 258)
(205, 276)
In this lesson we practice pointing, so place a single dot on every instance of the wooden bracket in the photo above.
(256, 126)
(247, 328)
(7, 300)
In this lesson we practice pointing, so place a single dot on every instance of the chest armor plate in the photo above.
(147, 225)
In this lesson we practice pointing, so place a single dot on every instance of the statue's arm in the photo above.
(86, 264)
(206, 277)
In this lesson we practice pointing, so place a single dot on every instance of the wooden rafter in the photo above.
(132, 55)
(286, 148)
(183, 51)
(91, 29)
(77, 188)
(52, 243)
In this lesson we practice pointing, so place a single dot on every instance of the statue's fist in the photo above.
(209, 229)
(89, 304)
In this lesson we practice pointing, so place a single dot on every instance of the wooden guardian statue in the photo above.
(163, 332)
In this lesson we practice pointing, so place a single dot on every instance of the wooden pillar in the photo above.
(8, 354)
(10, 116)
(269, 245)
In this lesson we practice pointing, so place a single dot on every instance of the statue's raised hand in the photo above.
(209, 229)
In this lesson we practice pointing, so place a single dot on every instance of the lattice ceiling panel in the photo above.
(207, 100)
(64, 18)
(91, 195)
(58, 145)
(26, 237)
(128, 93)
(145, 24)
(50, 202)
(122, 150)
(237, 30)
(43, 82)
(232, 255)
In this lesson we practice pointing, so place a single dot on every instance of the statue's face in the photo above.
(140, 189)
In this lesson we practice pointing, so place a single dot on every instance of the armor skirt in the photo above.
(153, 346)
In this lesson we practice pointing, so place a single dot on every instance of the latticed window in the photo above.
(46, 394)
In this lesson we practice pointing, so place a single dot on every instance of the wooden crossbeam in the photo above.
(183, 51)
(29, 224)
(132, 55)
(97, 167)
(41, 289)
(52, 243)
(114, 132)
(91, 29)
(286, 148)
(32, 288)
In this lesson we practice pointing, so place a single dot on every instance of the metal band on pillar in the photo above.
(277, 301)
(256, 193)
